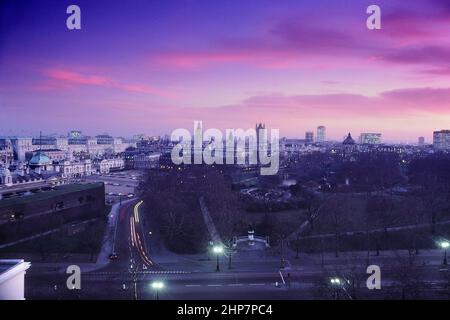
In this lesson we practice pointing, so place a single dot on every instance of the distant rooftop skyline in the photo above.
(156, 66)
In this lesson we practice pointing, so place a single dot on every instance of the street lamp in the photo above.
(217, 250)
(444, 245)
(157, 285)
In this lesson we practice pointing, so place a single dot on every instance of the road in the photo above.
(249, 279)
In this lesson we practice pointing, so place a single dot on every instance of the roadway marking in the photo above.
(192, 285)
(214, 285)
(257, 284)
(235, 284)
(282, 278)
(140, 272)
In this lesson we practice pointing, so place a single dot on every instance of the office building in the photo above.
(370, 138)
(321, 134)
(441, 140)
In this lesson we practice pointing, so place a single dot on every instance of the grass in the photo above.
(288, 216)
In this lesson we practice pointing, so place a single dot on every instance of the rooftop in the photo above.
(349, 140)
(40, 159)
(9, 268)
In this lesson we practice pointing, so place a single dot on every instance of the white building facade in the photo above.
(12, 279)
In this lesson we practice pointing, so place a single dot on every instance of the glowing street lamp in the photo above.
(444, 245)
(157, 285)
(217, 250)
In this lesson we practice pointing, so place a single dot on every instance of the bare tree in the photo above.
(406, 275)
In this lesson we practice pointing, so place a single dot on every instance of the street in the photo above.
(251, 276)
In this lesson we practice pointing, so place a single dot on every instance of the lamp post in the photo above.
(149, 241)
(134, 275)
(444, 245)
(217, 250)
(157, 285)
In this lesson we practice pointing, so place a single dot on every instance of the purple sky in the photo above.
(153, 66)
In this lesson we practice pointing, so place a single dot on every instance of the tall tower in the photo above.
(259, 144)
(421, 142)
(309, 136)
(321, 134)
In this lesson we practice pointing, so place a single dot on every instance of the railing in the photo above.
(251, 239)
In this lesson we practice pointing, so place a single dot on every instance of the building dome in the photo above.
(349, 140)
(40, 159)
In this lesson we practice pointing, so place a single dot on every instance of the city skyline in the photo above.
(155, 67)
(301, 136)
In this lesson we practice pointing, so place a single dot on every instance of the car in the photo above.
(130, 195)
(113, 256)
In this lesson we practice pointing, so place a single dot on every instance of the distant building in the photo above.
(296, 146)
(40, 162)
(104, 139)
(53, 154)
(76, 137)
(73, 169)
(140, 136)
(59, 165)
(108, 165)
(421, 141)
(6, 152)
(128, 155)
(370, 138)
(75, 144)
(12, 279)
(21, 146)
(441, 140)
(261, 145)
(75, 134)
(5, 177)
(348, 141)
(309, 136)
(321, 134)
(146, 161)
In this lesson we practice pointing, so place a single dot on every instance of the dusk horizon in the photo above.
(153, 67)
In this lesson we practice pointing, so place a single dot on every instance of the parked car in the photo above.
(113, 256)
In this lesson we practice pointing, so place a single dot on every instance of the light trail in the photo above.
(132, 232)
(135, 238)
(136, 211)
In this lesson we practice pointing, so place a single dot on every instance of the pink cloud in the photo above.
(74, 78)
(408, 38)
(194, 60)
(288, 111)
(58, 79)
